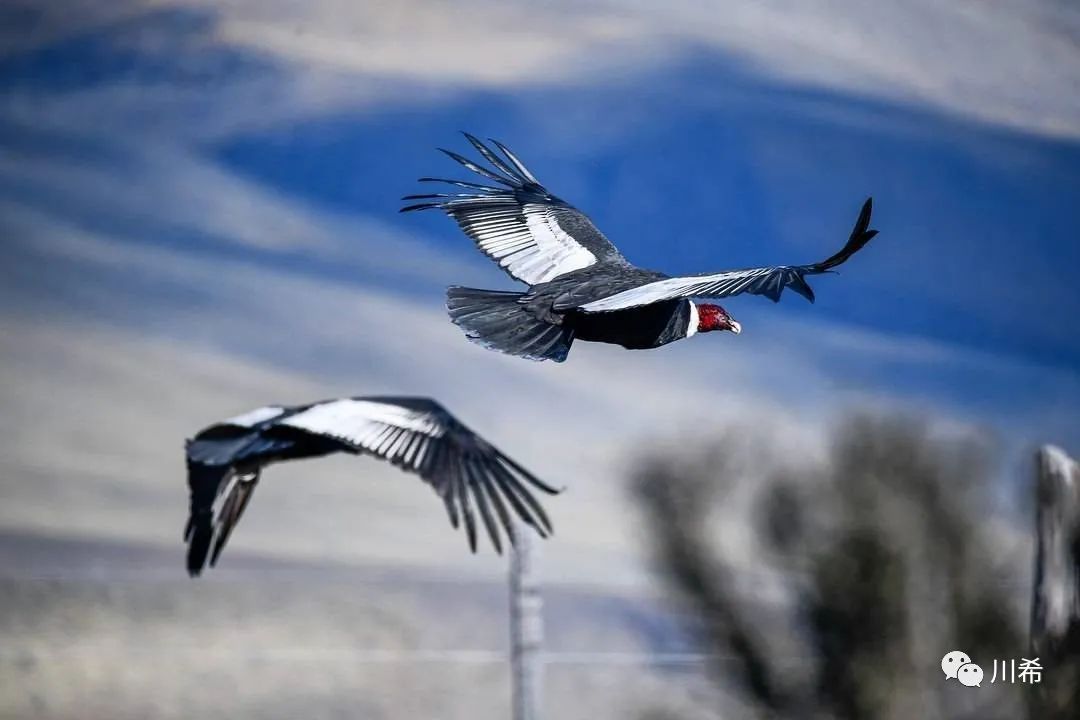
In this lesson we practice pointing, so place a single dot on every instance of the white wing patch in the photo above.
(254, 417)
(561, 252)
(534, 251)
(380, 428)
(718, 285)
(354, 417)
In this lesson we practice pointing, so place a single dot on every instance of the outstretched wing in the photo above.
(767, 281)
(415, 434)
(420, 436)
(532, 235)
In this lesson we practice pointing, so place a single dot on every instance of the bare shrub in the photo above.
(886, 555)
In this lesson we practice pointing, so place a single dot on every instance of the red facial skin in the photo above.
(712, 317)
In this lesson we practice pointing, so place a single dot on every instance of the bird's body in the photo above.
(648, 326)
(580, 285)
(641, 328)
(418, 435)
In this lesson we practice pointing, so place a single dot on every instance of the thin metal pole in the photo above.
(526, 626)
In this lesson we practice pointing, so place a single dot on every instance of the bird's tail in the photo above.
(499, 322)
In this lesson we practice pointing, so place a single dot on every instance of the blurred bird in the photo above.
(418, 435)
(580, 286)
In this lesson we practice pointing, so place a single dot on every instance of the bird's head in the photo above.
(714, 317)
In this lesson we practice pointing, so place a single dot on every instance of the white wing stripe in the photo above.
(383, 440)
(421, 452)
(253, 418)
(398, 447)
(726, 283)
(367, 424)
(755, 280)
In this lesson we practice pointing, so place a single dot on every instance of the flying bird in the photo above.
(580, 285)
(418, 435)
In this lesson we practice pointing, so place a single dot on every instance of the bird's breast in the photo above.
(638, 328)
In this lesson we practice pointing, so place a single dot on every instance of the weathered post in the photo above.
(1055, 602)
(526, 626)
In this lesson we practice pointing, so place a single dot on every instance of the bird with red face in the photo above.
(580, 285)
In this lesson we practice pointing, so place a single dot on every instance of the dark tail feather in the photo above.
(499, 322)
(860, 235)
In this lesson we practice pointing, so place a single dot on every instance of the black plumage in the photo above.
(580, 286)
(418, 435)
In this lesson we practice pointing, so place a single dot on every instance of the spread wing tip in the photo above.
(861, 234)
(862, 225)
(418, 206)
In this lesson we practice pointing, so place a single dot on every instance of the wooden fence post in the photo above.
(1055, 602)
(526, 626)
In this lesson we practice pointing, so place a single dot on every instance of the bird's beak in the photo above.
(735, 327)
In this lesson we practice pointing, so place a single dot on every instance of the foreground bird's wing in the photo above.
(415, 434)
(420, 436)
(532, 235)
(767, 281)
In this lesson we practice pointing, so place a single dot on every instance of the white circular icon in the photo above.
(953, 661)
(970, 675)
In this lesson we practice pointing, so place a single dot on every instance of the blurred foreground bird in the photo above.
(418, 435)
(580, 286)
